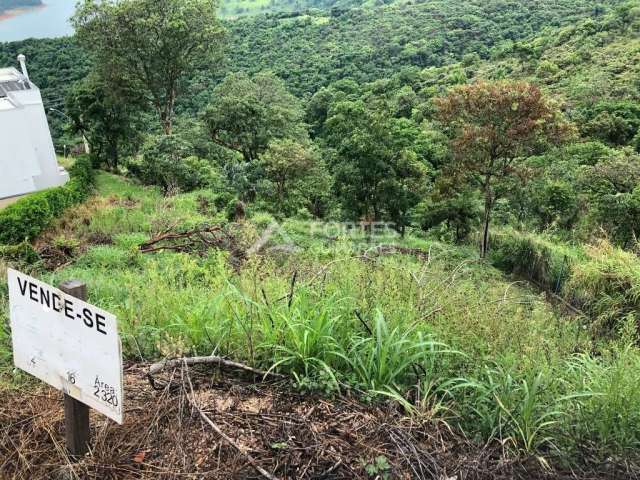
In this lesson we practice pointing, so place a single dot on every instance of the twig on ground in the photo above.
(335, 465)
(218, 430)
(222, 362)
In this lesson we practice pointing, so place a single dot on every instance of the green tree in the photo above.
(587, 153)
(619, 173)
(150, 43)
(380, 163)
(613, 122)
(613, 193)
(554, 202)
(249, 112)
(110, 118)
(404, 102)
(493, 126)
(285, 162)
(319, 105)
(294, 179)
(168, 161)
(457, 211)
(619, 215)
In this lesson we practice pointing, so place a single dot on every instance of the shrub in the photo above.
(619, 215)
(456, 214)
(169, 162)
(22, 252)
(26, 218)
(555, 202)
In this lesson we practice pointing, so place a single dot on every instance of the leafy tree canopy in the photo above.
(249, 112)
(150, 43)
(492, 127)
(110, 118)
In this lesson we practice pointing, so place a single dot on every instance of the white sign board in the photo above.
(67, 343)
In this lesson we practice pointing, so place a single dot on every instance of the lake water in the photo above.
(50, 20)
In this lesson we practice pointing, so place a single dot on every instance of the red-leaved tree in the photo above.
(493, 126)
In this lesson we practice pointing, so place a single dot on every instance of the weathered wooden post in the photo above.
(76, 413)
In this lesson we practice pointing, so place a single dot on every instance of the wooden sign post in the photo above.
(70, 344)
(76, 413)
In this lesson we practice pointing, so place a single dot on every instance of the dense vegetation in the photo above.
(509, 126)
(25, 219)
(309, 50)
(445, 335)
(237, 8)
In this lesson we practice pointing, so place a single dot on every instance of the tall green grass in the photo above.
(607, 286)
(448, 337)
(512, 406)
(604, 420)
(601, 280)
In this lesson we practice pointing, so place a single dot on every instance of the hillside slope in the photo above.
(237, 8)
(312, 49)
(416, 317)
(592, 67)
(595, 59)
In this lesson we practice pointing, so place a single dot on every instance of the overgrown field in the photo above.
(424, 323)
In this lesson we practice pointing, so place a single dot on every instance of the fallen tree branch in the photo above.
(293, 285)
(185, 241)
(221, 362)
(359, 317)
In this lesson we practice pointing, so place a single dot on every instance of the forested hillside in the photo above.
(398, 58)
(591, 70)
(593, 67)
(237, 8)
(310, 50)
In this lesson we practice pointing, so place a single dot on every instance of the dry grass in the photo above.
(289, 435)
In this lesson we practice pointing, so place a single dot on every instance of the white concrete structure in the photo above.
(27, 158)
